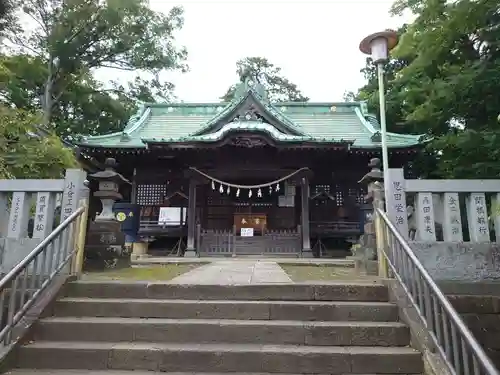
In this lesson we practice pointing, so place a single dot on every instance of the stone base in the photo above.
(105, 247)
(463, 261)
(365, 266)
(306, 254)
(134, 257)
(139, 250)
(190, 254)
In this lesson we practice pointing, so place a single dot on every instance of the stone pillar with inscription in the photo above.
(366, 254)
(105, 247)
(395, 206)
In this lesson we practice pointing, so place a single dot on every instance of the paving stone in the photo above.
(222, 331)
(268, 292)
(125, 372)
(263, 326)
(281, 292)
(351, 292)
(258, 310)
(222, 358)
(227, 272)
(107, 289)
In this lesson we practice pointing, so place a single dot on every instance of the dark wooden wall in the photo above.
(335, 172)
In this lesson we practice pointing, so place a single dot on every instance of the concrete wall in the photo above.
(23, 200)
(479, 305)
(464, 261)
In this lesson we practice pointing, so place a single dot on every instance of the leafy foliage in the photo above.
(24, 154)
(444, 80)
(6, 13)
(84, 107)
(52, 64)
(279, 88)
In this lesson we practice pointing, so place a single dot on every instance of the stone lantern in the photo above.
(105, 246)
(366, 253)
(109, 184)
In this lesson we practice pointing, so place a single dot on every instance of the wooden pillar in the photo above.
(191, 220)
(304, 196)
(133, 193)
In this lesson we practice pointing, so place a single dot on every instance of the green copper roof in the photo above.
(284, 122)
(249, 126)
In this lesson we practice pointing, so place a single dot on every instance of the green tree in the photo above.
(279, 88)
(6, 14)
(446, 84)
(74, 38)
(24, 154)
(84, 107)
(452, 84)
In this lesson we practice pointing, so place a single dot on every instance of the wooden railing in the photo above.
(335, 228)
(215, 241)
(227, 242)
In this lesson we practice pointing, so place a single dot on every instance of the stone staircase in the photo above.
(113, 328)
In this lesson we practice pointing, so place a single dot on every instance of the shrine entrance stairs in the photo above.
(104, 327)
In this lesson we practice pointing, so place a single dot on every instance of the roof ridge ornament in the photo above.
(250, 83)
(376, 137)
(250, 115)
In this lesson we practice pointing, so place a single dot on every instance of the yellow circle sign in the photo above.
(120, 216)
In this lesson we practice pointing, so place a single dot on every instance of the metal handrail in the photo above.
(459, 349)
(30, 277)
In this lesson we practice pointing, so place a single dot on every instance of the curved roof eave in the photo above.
(135, 123)
(248, 126)
(368, 126)
(268, 107)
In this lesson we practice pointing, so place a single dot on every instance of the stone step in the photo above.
(130, 372)
(220, 358)
(341, 291)
(223, 331)
(227, 309)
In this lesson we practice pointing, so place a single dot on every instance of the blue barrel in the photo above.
(129, 216)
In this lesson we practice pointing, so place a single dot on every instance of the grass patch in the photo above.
(150, 273)
(323, 273)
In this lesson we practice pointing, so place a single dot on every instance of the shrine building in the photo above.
(249, 177)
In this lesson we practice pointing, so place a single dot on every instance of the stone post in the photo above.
(106, 242)
(366, 253)
(379, 203)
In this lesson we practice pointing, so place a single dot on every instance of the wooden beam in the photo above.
(191, 216)
(304, 195)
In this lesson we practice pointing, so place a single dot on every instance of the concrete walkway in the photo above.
(227, 272)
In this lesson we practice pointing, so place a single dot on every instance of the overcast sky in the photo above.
(315, 42)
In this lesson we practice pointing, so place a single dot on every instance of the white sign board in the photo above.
(246, 232)
(171, 216)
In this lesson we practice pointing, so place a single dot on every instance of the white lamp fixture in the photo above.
(378, 46)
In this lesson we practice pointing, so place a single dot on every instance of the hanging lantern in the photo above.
(250, 193)
(213, 185)
(228, 190)
(221, 189)
(277, 187)
(259, 193)
(238, 192)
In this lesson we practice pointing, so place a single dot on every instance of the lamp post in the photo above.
(378, 46)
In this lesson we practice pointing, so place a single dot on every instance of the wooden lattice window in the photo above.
(317, 189)
(151, 194)
(320, 188)
(339, 195)
(357, 194)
